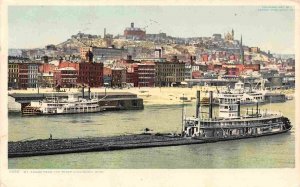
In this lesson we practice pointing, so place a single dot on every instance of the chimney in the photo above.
(104, 34)
(60, 60)
(90, 56)
(129, 57)
(45, 59)
(192, 60)
(174, 59)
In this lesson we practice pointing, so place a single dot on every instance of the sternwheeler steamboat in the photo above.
(230, 124)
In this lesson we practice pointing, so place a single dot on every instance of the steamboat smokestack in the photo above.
(82, 92)
(197, 103)
(239, 109)
(256, 109)
(210, 104)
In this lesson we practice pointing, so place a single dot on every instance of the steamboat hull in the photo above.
(52, 114)
(35, 111)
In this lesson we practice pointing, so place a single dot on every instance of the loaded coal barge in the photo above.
(229, 125)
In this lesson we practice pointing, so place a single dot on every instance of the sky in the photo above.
(270, 28)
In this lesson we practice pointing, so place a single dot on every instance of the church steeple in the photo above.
(242, 50)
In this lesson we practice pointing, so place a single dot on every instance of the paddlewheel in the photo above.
(31, 111)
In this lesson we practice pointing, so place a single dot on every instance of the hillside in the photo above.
(146, 47)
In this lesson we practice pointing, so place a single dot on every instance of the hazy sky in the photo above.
(271, 28)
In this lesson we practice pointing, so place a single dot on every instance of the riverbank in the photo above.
(156, 95)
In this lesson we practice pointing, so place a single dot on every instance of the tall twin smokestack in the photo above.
(197, 104)
(210, 104)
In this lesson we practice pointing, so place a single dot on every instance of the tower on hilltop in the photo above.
(229, 36)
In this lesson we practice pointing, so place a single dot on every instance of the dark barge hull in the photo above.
(77, 145)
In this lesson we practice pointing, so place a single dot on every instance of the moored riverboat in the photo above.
(53, 105)
(241, 95)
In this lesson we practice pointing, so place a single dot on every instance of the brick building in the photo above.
(65, 77)
(107, 76)
(254, 67)
(33, 73)
(146, 74)
(64, 64)
(134, 33)
(118, 77)
(169, 73)
(132, 76)
(46, 68)
(254, 49)
(90, 74)
(13, 75)
(46, 80)
(204, 57)
(23, 76)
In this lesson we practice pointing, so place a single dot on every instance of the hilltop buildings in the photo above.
(101, 53)
(134, 33)
(147, 64)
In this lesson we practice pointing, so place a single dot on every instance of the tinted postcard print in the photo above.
(151, 87)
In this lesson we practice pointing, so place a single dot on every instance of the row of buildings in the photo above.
(124, 72)
(33, 75)
(88, 73)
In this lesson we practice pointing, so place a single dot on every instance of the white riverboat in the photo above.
(230, 124)
(72, 105)
(240, 94)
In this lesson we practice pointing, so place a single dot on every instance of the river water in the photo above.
(276, 151)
